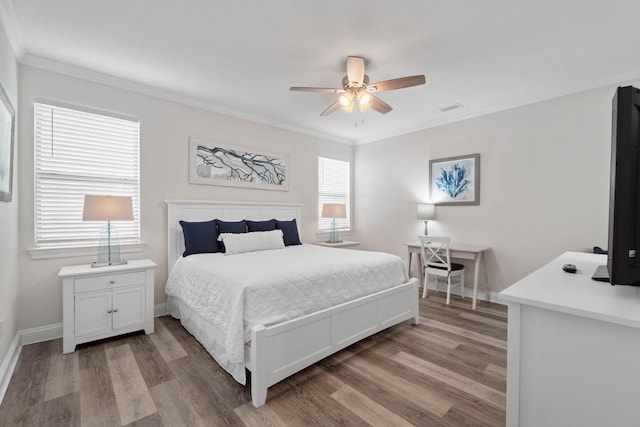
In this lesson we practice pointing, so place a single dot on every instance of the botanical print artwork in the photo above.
(455, 180)
(217, 164)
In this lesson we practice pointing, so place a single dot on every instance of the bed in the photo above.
(276, 344)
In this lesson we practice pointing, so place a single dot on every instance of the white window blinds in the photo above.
(80, 153)
(334, 186)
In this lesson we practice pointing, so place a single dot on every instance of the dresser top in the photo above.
(86, 269)
(576, 293)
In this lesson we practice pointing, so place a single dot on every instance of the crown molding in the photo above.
(10, 23)
(109, 80)
(7, 15)
(619, 79)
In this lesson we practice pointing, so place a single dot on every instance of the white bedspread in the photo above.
(236, 292)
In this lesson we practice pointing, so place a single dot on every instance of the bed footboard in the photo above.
(281, 350)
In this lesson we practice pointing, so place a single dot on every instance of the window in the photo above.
(80, 153)
(334, 186)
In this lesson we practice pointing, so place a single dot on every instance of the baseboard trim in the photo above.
(160, 310)
(36, 335)
(40, 334)
(468, 292)
(8, 365)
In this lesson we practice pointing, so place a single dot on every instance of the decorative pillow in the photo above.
(200, 237)
(237, 243)
(289, 231)
(261, 225)
(232, 226)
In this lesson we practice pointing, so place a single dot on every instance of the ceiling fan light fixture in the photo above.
(345, 100)
(356, 92)
(364, 98)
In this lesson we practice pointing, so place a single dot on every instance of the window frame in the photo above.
(321, 232)
(74, 249)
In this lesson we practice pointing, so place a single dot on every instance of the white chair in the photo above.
(436, 262)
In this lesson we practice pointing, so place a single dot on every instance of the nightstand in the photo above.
(342, 244)
(103, 302)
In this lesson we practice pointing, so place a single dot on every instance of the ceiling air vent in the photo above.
(451, 107)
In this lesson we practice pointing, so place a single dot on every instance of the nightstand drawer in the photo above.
(109, 281)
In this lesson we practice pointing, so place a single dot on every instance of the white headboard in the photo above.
(205, 210)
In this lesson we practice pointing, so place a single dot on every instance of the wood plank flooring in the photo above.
(448, 371)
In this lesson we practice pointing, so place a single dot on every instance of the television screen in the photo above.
(624, 193)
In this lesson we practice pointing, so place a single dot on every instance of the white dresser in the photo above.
(106, 301)
(573, 348)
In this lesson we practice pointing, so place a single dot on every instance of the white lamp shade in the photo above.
(426, 211)
(334, 210)
(107, 208)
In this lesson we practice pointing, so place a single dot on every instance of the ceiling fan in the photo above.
(356, 92)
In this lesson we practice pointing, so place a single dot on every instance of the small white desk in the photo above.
(456, 250)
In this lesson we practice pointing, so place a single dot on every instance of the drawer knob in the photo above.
(112, 282)
(109, 311)
(115, 310)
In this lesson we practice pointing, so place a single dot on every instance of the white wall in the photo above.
(9, 212)
(544, 184)
(165, 128)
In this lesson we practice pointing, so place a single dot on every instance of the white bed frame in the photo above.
(281, 350)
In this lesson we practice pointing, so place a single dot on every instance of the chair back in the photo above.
(435, 252)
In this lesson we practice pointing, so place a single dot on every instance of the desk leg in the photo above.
(475, 279)
(419, 265)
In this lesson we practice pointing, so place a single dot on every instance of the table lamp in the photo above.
(426, 212)
(334, 210)
(107, 208)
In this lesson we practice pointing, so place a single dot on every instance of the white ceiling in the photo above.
(241, 56)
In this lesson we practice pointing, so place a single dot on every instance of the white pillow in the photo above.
(251, 242)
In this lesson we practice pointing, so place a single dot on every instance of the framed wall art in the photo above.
(7, 135)
(213, 163)
(455, 180)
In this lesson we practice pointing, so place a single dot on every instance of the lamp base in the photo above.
(107, 264)
(334, 235)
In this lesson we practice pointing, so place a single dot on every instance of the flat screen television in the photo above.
(623, 262)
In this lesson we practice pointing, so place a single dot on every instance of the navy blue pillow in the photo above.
(261, 225)
(289, 231)
(232, 226)
(200, 237)
(235, 227)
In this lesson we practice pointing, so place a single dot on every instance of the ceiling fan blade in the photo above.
(316, 89)
(379, 105)
(398, 83)
(355, 71)
(331, 108)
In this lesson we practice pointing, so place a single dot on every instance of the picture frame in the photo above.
(214, 163)
(455, 180)
(7, 136)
